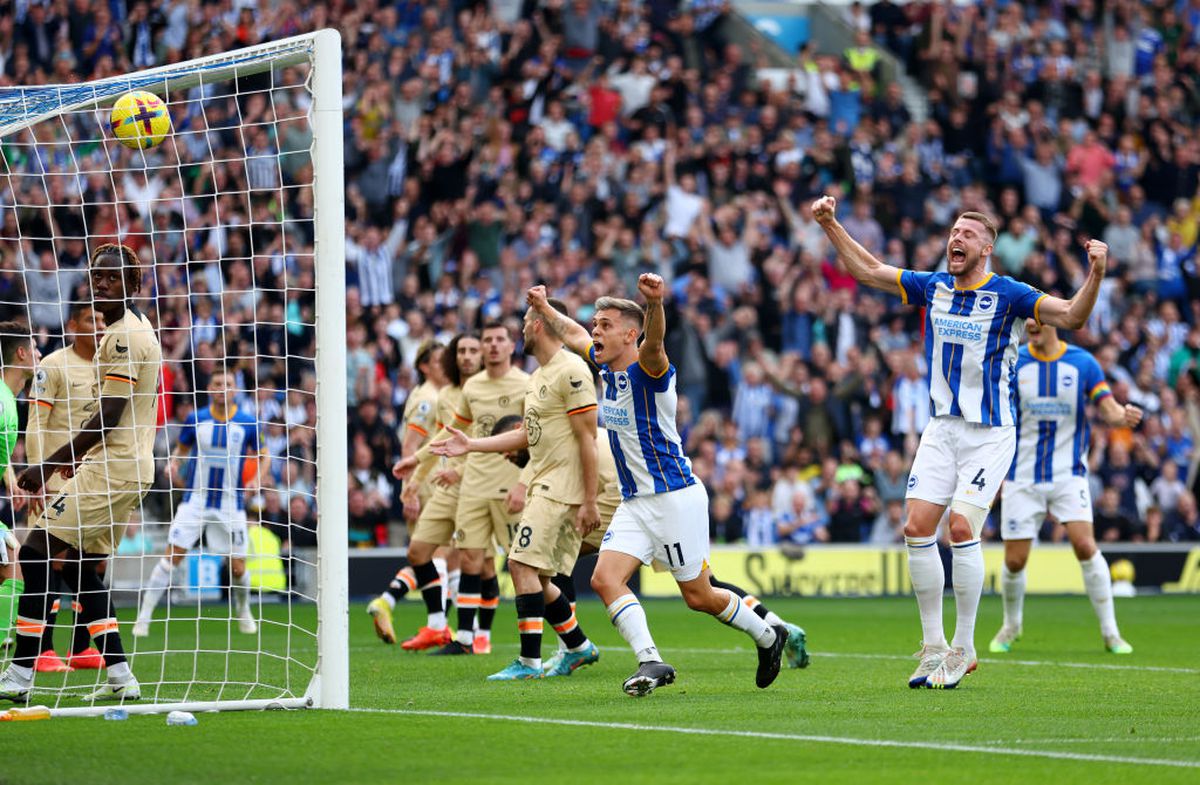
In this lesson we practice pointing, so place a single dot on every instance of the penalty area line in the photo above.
(838, 740)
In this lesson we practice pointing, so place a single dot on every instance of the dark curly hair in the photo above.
(129, 262)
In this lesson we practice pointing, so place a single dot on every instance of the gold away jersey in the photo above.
(485, 401)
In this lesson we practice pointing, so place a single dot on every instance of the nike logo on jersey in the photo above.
(121, 349)
(576, 383)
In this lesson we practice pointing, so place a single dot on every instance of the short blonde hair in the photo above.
(981, 218)
(628, 309)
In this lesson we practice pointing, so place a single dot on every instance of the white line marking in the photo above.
(818, 654)
(843, 740)
(1131, 738)
(986, 660)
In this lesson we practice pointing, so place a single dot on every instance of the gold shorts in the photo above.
(482, 522)
(424, 494)
(546, 538)
(435, 525)
(90, 511)
(607, 508)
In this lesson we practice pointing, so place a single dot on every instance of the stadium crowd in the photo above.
(578, 143)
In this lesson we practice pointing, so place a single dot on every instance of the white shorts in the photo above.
(225, 529)
(1023, 506)
(961, 461)
(671, 527)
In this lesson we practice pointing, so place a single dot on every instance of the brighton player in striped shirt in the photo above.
(974, 322)
(1055, 384)
(664, 512)
(223, 438)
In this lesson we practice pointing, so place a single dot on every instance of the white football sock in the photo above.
(156, 587)
(1012, 586)
(740, 617)
(241, 595)
(1098, 581)
(968, 587)
(389, 599)
(630, 620)
(119, 673)
(437, 621)
(452, 579)
(929, 583)
(773, 619)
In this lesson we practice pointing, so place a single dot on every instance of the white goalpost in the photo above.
(238, 221)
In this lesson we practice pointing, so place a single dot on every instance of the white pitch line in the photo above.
(1131, 738)
(818, 654)
(841, 740)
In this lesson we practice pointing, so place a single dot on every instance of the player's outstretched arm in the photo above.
(865, 268)
(1073, 314)
(652, 355)
(459, 443)
(572, 333)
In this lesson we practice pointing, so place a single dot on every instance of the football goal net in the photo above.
(229, 576)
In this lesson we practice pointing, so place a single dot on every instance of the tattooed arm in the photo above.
(570, 331)
(652, 355)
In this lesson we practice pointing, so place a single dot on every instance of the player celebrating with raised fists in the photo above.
(664, 512)
(974, 322)
(1055, 383)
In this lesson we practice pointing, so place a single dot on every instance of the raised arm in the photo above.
(652, 355)
(865, 268)
(1118, 415)
(1073, 314)
(570, 331)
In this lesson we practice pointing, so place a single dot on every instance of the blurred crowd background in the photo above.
(492, 145)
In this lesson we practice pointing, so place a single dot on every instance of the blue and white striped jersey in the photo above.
(219, 452)
(1053, 433)
(638, 411)
(971, 342)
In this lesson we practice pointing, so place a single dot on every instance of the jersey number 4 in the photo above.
(979, 482)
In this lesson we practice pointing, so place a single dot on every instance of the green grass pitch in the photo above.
(1058, 709)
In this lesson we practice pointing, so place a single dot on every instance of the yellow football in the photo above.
(1122, 570)
(140, 120)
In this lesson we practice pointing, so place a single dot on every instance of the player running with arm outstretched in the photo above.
(664, 512)
(561, 505)
(974, 322)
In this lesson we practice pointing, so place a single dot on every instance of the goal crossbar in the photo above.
(22, 107)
